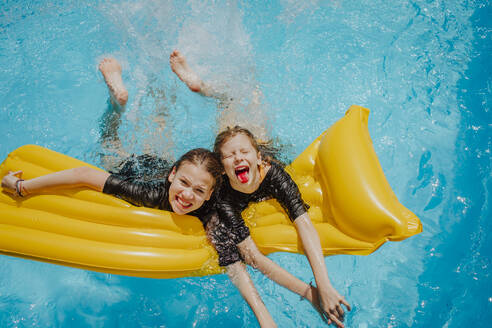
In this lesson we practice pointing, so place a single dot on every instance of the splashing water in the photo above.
(423, 68)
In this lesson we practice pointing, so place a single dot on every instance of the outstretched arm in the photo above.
(253, 257)
(331, 300)
(240, 278)
(76, 177)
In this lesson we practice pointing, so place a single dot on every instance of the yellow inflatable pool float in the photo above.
(352, 207)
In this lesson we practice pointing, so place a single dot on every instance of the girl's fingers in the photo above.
(335, 320)
(344, 302)
(17, 174)
(340, 311)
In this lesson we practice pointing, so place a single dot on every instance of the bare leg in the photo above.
(183, 71)
(232, 112)
(113, 152)
(111, 119)
(111, 70)
(181, 68)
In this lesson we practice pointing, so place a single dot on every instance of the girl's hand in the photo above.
(8, 181)
(331, 303)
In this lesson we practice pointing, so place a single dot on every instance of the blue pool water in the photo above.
(423, 68)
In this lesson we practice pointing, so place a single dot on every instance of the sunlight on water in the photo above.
(421, 67)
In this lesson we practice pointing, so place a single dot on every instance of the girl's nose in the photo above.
(187, 194)
(238, 158)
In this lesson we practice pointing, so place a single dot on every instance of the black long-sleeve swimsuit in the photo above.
(277, 184)
(220, 216)
(143, 181)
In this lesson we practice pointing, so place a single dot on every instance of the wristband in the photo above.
(303, 297)
(18, 189)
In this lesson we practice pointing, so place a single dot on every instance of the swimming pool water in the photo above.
(422, 67)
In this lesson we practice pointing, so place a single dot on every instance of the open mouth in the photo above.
(183, 203)
(242, 173)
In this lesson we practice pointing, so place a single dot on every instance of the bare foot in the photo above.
(111, 70)
(183, 71)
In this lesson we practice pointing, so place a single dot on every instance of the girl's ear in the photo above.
(172, 175)
(211, 191)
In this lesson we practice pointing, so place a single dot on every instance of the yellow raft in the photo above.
(339, 175)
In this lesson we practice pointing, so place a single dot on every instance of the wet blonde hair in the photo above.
(265, 148)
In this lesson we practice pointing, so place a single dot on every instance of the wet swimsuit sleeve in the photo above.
(140, 193)
(286, 192)
(230, 214)
(223, 239)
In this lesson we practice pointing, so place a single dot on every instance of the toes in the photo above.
(194, 87)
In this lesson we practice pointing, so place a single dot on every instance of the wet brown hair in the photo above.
(202, 156)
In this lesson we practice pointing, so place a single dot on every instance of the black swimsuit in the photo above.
(224, 230)
(142, 181)
(277, 184)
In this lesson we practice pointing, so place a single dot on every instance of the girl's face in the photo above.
(191, 186)
(241, 163)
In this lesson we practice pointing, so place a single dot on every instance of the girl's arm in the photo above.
(331, 300)
(285, 190)
(240, 278)
(76, 177)
(253, 257)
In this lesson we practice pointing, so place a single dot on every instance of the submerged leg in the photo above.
(111, 70)
(111, 119)
(113, 152)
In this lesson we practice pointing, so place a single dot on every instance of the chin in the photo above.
(242, 187)
(180, 211)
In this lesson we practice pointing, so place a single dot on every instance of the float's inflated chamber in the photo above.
(352, 207)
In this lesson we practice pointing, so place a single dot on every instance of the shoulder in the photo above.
(207, 210)
(226, 193)
(223, 189)
(277, 172)
(228, 199)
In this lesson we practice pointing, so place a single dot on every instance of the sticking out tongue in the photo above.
(243, 175)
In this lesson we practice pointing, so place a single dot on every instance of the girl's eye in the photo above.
(184, 182)
(200, 191)
(244, 151)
